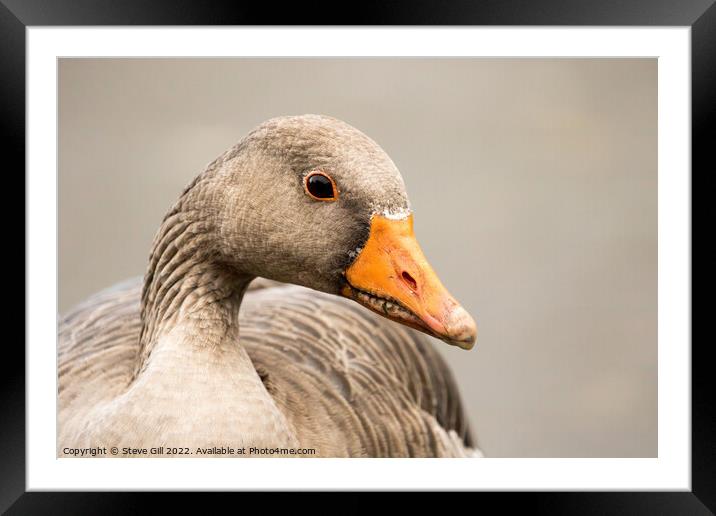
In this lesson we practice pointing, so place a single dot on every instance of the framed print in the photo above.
(278, 242)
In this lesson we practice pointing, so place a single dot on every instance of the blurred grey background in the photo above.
(534, 185)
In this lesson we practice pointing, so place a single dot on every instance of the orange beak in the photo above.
(392, 277)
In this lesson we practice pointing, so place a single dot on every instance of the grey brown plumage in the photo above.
(334, 368)
(167, 361)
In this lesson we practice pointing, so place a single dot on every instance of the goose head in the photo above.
(312, 201)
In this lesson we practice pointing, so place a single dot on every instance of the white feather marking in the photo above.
(401, 214)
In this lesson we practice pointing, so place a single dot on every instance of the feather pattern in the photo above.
(350, 383)
(159, 362)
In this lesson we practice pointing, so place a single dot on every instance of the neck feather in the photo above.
(186, 284)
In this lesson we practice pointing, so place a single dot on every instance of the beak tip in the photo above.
(466, 343)
(461, 329)
(469, 344)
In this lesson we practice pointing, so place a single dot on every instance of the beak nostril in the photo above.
(407, 278)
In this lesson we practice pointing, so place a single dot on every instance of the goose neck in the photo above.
(187, 287)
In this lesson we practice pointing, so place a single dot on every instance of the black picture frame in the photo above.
(16, 15)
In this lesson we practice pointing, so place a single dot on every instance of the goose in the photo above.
(265, 324)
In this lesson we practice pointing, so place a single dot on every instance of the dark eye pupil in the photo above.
(320, 186)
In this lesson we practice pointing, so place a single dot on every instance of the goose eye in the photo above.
(321, 186)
